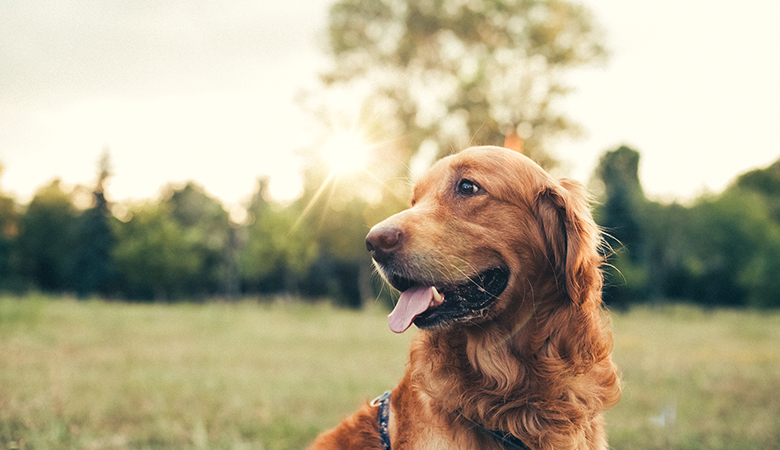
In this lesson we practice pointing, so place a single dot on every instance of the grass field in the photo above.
(94, 375)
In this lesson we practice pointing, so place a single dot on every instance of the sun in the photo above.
(346, 151)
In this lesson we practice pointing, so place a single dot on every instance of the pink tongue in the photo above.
(413, 302)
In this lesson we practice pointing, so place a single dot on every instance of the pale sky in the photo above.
(207, 91)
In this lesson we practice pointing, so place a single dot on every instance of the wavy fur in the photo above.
(537, 364)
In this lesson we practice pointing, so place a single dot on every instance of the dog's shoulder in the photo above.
(356, 432)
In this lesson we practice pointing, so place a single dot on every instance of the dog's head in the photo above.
(486, 228)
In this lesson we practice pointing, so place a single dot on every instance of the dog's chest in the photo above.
(429, 435)
(438, 441)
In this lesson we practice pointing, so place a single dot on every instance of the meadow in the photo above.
(271, 375)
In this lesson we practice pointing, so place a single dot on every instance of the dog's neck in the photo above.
(494, 374)
(456, 366)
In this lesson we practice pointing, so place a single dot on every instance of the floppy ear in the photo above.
(572, 238)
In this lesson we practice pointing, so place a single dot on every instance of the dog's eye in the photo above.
(467, 187)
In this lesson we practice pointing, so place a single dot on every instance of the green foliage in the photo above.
(93, 270)
(759, 278)
(626, 281)
(722, 250)
(9, 232)
(668, 249)
(765, 182)
(336, 212)
(620, 213)
(181, 246)
(434, 76)
(489, 69)
(278, 248)
(724, 235)
(156, 254)
(47, 238)
(206, 224)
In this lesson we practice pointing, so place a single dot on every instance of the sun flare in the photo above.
(346, 151)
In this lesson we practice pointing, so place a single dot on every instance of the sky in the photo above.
(208, 91)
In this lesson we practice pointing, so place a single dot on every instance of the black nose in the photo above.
(383, 241)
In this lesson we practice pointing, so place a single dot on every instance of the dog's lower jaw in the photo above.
(432, 305)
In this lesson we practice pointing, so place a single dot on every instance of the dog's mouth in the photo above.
(429, 306)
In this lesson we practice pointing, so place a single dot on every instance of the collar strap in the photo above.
(506, 440)
(383, 402)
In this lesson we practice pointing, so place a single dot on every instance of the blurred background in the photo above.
(185, 188)
(191, 150)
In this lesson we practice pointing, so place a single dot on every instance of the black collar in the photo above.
(383, 402)
(506, 440)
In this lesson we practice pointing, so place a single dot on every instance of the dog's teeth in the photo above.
(437, 297)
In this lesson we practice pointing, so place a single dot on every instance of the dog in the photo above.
(498, 265)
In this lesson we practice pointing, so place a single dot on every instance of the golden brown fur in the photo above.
(537, 362)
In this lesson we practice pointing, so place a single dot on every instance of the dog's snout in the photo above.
(383, 241)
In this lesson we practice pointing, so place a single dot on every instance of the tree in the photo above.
(94, 270)
(155, 255)
(728, 240)
(449, 73)
(339, 226)
(46, 239)
(278, 248)
(431, 77)
(207, 224)
(668, 245)
(624, 199)
(621, 213)
(338, 211)
(765, 182)
(760, 277)
(9, 232)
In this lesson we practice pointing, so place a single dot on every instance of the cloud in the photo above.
(211, 83)
(66, 50)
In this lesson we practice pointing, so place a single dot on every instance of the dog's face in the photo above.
(478, 232)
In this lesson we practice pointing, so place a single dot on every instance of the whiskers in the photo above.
(472, 269)
(608, 251)
(376, 273)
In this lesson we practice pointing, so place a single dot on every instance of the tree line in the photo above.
(430, 77)
(721, 250)
(426, 78)
(181, 246)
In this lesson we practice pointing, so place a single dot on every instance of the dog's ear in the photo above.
(572, 238)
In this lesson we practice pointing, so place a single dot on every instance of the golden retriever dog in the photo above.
(498, 265)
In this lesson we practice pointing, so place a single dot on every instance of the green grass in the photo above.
(695, 379)
(93, 375)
